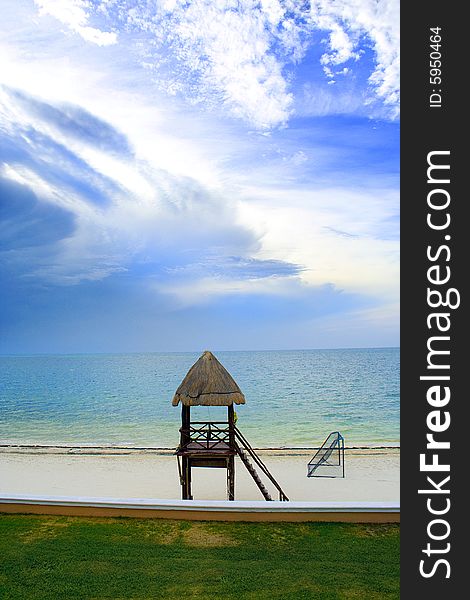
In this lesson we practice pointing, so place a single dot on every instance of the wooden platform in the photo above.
(208, 510)
(215, 449)
(216, 456)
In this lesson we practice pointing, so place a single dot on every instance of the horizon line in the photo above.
(121, 353)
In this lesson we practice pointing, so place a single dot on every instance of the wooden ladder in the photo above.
(246, 452)
(253, 473)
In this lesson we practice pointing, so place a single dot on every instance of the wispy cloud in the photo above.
(223, 53)
(348, 22)
(241, 56)
(75, 15)
(170, 225)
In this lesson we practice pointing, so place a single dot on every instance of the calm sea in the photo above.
(293, 398)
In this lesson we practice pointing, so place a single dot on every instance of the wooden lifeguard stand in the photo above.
(214, 443)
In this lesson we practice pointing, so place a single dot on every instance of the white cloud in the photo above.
(74, 14)
(224, 54)
(235, 56)
(158, 130)
(203, 291)
(347, 21)
(320, 101)
(127, 214)
(183, 228)
(187, 159)
(340, 236)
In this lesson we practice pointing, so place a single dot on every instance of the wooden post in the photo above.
(185, 425)
(184, 479)
(186, 483)
(231, 459)
(231, 426)
(231, 478)
(184, 440)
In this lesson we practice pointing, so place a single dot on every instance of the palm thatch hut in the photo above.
(214, 443)
(207, 444)
(208, 383)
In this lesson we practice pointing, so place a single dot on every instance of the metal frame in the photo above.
(336, 444)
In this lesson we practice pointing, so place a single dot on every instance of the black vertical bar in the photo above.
(434, 115)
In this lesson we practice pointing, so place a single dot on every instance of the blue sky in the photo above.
(188, 175)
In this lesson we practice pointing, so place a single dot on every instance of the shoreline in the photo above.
(117, 450)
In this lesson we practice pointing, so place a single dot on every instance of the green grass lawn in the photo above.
(86, 559)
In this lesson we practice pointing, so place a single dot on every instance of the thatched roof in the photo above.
(208, 383)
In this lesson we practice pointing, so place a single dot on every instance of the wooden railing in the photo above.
(246, 446)
(207, 435)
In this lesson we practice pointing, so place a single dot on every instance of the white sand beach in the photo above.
(371, 474)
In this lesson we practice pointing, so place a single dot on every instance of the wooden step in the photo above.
(251, 469)
(254, 474)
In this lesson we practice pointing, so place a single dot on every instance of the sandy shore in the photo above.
(371, 474)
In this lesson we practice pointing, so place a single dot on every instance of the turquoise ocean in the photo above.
(293, 398)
